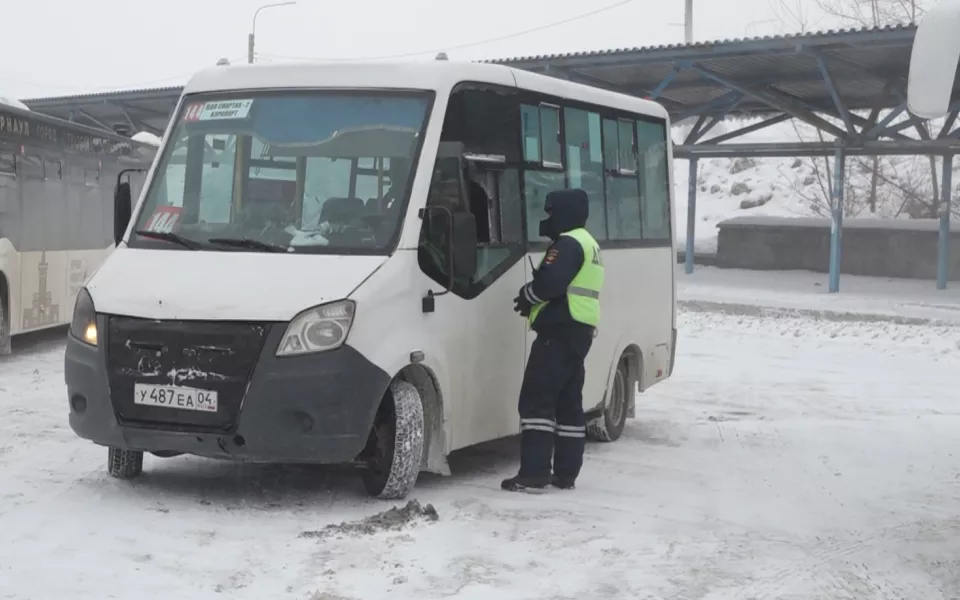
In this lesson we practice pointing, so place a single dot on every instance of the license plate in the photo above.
(174, 396)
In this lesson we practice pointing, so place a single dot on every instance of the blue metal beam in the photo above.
(691, 218)
(948, 124)
(749, 129)
(693, 130)
(865, 123)
(871, 120)
(728, 100)
(713, 123)
(818, 149)
(856, 119)
(913, 121)
(893, 114)
(775, 103)
(943, 243)
(94, 120)
(836, 228)
(655, 92)
(832, 88)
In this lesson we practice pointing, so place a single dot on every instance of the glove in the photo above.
(522, 305)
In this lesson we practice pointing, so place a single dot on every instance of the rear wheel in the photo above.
(609, 426)
(397, 439)
(124, 464)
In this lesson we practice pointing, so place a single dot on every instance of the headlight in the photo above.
(318, 329)
(84, 324)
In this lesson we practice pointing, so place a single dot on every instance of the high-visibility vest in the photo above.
(583, 293)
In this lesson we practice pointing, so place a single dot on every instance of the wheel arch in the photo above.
(435, 440)
(634, 357)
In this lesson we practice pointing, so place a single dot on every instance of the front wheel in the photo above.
(398, 443)
(124, 464)
(609, 426)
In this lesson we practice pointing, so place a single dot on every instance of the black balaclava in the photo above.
(567, 209)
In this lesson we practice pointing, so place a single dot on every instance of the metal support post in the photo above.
(943, 244)
(691, 217)
(253, 30)
(836, 229)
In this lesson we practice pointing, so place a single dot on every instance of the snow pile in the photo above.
(13, 102)
(794, 187)
(145, 137)
(393, 519)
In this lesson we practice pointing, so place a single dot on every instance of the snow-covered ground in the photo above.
(806, 293)
(787, 458)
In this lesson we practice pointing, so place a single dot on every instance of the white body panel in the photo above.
(933, 61)
(636, 310)
(475, 349)
(252, 286)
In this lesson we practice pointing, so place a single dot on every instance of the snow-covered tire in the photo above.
(609, 426)
(124, 464)
(400, 421)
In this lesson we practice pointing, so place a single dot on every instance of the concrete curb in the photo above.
(754, 310)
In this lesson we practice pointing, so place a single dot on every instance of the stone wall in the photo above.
(877, 247)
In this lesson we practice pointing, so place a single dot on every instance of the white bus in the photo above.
(56, 213)
(274, 298)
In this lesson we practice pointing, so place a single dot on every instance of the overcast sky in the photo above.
(62, 47)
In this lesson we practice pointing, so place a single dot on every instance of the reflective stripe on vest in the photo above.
(583, 293)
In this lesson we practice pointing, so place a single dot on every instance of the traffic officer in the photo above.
(562, 304)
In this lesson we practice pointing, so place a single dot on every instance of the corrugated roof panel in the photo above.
(713, 45)
(861, 62)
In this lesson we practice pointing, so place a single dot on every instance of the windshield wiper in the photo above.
(169, 236)
(249, 243)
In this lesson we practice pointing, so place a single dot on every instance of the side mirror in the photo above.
(122, 210)
(464, 236)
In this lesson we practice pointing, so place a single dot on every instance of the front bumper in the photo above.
(304, 409)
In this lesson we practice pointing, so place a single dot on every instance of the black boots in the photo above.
(535, 485)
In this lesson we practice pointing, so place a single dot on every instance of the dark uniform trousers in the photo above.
(552, 422)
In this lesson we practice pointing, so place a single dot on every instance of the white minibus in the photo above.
(322, 264)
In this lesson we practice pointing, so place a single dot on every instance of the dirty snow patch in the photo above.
(394, 519)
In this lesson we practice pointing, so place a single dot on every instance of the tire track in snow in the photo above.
(817, 566)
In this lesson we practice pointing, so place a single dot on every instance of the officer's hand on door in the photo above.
(522, 305)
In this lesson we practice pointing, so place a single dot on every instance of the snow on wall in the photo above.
(795, 188)
(927, 225)
(145, 137)
(13, 102)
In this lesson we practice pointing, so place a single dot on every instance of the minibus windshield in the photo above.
(307, 172)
